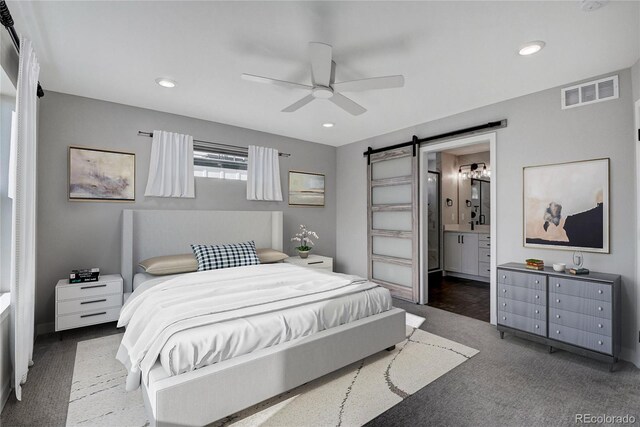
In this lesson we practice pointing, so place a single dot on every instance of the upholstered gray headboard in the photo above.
(149, 233)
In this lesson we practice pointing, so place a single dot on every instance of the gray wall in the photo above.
(86, 234)
(539, 132)
(635, 76)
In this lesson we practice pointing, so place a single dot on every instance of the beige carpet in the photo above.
(350, 396)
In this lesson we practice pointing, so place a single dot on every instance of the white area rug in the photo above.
(350, 396)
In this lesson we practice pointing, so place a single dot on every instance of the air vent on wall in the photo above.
(590, 92)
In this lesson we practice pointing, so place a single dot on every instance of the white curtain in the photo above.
(263, 174)
(23, 230)
(171, 165)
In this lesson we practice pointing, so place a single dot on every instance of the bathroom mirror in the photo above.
(475, 201)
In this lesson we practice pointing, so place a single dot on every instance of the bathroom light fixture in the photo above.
(531, 48)
(473, 171)
(164, 82)
(328, 125)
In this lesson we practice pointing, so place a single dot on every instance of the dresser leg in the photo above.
(501, 335)
(393, 347)
(612, 366)
(550, 349)
(60, 335)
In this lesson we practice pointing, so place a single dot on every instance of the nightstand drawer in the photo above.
(89, 289)
(92, 317)
(319, 263)
(93, 303)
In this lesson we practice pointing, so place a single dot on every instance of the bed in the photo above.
(357, 319)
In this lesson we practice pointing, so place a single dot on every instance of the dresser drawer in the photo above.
(484, 237)
(527, 280)
(522, 294)
(92, 303)
(534, 326)
(484, 269)
(484, 255)
(92, 317)
(600, 343)
(90, 289)
(520, 308)
(586, 306)
(580, 288)
(484, 244)
(596, 325)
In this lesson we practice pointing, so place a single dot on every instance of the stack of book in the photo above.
(577, 270)
(85, 275)
(535, 264)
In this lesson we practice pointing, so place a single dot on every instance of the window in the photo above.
(211, 164)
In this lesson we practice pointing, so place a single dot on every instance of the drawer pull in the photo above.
(504, 304)
(537, 311)
(600, 291)
(558, 332)
(557, 316)
(537, 327)
(488, 255)
(504, 290)
(504, 277)
(315, 262)
(93, 314)
(104, 285)
(91, 302)
(557, 285)
(504, 317)
(537, 281)
(599, 308)
(599, 342)
(537, 296)
(558, 300)
(599, 325)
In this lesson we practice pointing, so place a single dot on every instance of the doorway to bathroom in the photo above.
(458, 214)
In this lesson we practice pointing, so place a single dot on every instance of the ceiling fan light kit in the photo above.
(324, 87)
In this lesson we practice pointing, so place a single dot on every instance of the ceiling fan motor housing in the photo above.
(322, 92)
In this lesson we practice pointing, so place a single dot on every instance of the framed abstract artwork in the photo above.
(101, 175)
(306, 189)
(566, 206)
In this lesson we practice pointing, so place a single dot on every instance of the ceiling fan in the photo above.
(323, 71)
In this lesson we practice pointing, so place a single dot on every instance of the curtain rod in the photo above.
(215, 144)
(418, 141)
(7, 21)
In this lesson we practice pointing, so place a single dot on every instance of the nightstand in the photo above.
(89, 303)
(312, 261)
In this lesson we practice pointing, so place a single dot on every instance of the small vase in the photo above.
(303, 254)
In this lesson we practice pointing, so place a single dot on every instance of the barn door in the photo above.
(392, 216)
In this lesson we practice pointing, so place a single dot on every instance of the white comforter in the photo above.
(156, 312)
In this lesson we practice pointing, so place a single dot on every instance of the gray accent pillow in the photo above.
(170, 264)
(269, 256)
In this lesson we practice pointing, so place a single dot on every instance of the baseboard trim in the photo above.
(483, 279)
(630, 356)
(45, 328)
(4, 393)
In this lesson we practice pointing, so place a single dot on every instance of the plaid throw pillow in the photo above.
(212, 257)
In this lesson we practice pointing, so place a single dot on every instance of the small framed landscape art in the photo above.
(101, 175)
(306, 189)
(566, 206)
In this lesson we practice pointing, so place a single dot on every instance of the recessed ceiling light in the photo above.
(165, 82)
(531, 48)
(328, 125)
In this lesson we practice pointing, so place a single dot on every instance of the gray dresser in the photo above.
(580, 314)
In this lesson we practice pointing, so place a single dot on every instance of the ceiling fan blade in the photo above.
(275, 82)
(320, 63)
(386, 82)
(346, 104)
(298, 104)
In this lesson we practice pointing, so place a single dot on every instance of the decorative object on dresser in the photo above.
(312, 261)
(566, 206)
(304, 237)
(84, 275)
(306, 189)
(83, 304)
(580, 315)
(101, 175)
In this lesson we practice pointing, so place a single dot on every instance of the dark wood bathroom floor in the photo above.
(466, 297)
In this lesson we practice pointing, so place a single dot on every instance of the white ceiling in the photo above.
(455, 56)
(469, 149)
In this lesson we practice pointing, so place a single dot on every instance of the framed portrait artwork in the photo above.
(101, 175)
(306, 189)
(566, 206)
